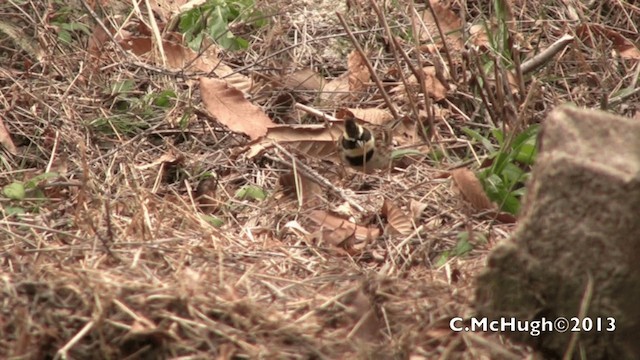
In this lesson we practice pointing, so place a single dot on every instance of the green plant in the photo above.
(21, 192)
(64, 18)
(130, 110)
(511, 160)
(462, 248)
(251, 192)
(213, 19)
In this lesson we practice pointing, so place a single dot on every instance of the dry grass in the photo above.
(117, 262)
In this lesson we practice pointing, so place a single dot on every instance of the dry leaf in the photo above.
(450, 23)
(206, 195)
(373, 115)
(337, 230)
(359, 76)
(625, 47)
(314, 140)
(228, 105)
(336, 89)
(471, 189)
(398, 220)
(416, 209)
(167, 157)
(5, 139)
(306, 191)
(361, 311)
(24, 43)
(434, 87)
(180, 57)
(305, 79)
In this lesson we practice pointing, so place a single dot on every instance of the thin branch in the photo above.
(372, 71)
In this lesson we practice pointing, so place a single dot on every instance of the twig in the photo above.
(397, 49)
(314, 112)
(546, 55)
(62, 354)
(485, 94)
(582, 312)
(372, 71)
(444, 42)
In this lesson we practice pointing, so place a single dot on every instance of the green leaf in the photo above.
(442, 259)
(400, 153)
(212, 220)
(479, 138)
(164, 98)
(526, 154)
(122, 87)
(184, 120)
(462, 246)
(251, 192)
(512, 174)
(64, 36)
(75, 27)
(33, 182)
(497, 133)
(14, 191)
(14, 210)
(509, 203)
(525, 145)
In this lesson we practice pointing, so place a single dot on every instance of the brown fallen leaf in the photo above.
(416, 209)
(468, 185)
(181, 57)
(304, 79)
(373, 115)
(592, 34)
(397, 220)
(359, 75)
(301, 187)
(206, 195)
(5, 139)
(360, 309)
(450, 23)
(228, 105)
(316, 141)
(336, 89)
(436, 90)
(337, 231)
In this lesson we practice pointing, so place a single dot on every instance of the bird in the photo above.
(364, 148)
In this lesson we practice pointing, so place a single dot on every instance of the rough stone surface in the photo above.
(578, 241)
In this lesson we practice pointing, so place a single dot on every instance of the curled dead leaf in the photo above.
(437, 91)
(373, 115)
(359, 75)
(591, 35)
(450, 23)
(206, 195)
(5, 139)
(336, 231)
(416, 209)
(469, 186)
(398, 221)
(306, 191)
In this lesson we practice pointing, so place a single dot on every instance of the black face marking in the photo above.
(351, 129)
(349, 144)
(360, 160)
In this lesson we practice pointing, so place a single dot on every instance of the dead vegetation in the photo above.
(191, 204)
